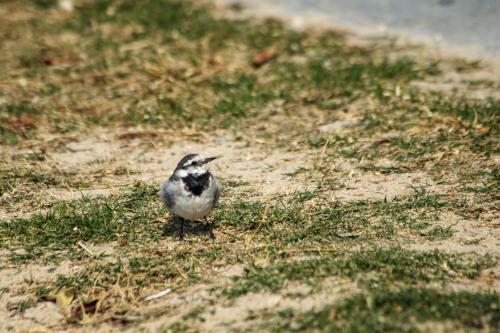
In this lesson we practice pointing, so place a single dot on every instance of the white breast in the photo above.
(191, 207)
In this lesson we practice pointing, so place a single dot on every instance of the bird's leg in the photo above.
(209, 225)
(181, 232)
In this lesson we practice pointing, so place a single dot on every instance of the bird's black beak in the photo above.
(209, 159)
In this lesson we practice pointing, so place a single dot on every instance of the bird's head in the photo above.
(193, 164)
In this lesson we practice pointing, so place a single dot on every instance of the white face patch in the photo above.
(198, 170)
(181, 173)
(196, 158)
(193, 170)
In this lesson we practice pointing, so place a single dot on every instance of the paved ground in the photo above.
(474, 25)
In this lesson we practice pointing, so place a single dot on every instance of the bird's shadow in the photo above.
(173, 226)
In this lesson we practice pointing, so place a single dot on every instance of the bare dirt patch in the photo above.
(469, 235)
(251, 307)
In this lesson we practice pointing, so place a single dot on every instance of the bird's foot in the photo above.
(212, 235)
(210, 231)
(181, 231)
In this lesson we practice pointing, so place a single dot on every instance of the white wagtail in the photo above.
(192, 191)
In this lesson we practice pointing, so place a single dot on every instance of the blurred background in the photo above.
(473, 25)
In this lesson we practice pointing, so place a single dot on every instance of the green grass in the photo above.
(448, 138)
(331, 75)
(128, 215)
(405, 115)
(43, 4)
(344, 79)
(24, 178)
(292, 223)
(180, 269)
(401, 311)
(21, 306)
(194, 41)
(172, 19)
(296, 224)
(96, 219)
(472, 112)
(372, 268)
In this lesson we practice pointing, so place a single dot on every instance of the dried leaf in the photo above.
(64, 297)
(264, 56)
(22, 123)
(483, 129)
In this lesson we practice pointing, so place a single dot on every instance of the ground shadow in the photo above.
(173, 226)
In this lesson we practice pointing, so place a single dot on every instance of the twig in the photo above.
(230, 234)
(158, 295)
(263, 219)
(323, 152)
(86, 249)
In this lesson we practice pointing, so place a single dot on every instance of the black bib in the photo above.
(196, 184)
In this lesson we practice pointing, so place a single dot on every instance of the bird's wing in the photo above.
(217, 192)
(166, 194)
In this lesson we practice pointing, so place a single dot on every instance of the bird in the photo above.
(192, 191)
